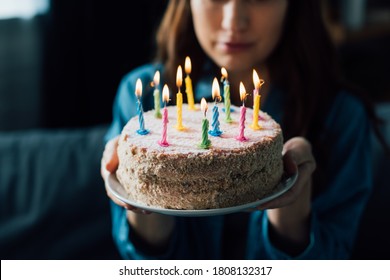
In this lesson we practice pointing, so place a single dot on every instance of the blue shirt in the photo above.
(335, 212)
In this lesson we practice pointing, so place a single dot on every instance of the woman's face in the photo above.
(238, 34)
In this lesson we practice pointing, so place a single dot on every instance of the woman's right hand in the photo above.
(109, 164)
(155, 229)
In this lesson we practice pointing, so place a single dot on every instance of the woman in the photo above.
(324, 127)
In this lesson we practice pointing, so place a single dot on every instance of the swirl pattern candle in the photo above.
(215, 121)
(163, 142)
(205, 143)
(226, 95)
(156, 95)
(241, 129)
(138, 93)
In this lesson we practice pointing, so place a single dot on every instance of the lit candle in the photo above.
(156, 94)
(226, 95)
(179, 99)
(138, 93)
(216, 97)
(243, 94)
(189, 91)
(163, 142)
(256, 100)
(206, 143)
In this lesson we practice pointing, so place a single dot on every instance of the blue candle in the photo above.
(215, 121)
(138, 93)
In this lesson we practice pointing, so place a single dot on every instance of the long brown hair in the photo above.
(304, 65)
(176, 39)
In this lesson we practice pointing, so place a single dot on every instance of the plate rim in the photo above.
(284, 185)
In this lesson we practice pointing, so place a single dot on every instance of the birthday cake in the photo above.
(185, 176)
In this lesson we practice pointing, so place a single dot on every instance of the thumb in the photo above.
(111, 155)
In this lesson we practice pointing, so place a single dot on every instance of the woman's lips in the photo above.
(234, 46)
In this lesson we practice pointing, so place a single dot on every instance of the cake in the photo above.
(185, 176)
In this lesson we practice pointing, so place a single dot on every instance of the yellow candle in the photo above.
(179, 99)
(255, 124)
(189, 91)
(256, 101)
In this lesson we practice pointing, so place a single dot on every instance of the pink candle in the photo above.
(241, 137)
(163, 142)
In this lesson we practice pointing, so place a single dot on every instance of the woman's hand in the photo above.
(289, 214)
(109, 164)
(155, 229)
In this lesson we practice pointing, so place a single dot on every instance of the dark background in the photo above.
(62, 69)
(59, 73)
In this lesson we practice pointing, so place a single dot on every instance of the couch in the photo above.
(53, 203)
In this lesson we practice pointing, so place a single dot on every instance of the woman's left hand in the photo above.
(297, 156)
(289, 214)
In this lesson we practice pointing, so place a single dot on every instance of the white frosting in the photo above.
(187, 141)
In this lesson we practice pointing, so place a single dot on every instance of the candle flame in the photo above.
(224, 73)
(243, 93)
(138, 88)
(165, 93)
(203, 105)
(216, 91)
(187, 65)
(179, 77)
(156, 79)
(256, 80)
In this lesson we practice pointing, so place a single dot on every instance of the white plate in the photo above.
(116, 189)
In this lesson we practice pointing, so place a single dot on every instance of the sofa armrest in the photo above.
(52, 198)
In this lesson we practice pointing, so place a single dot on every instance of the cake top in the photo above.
(188, 140)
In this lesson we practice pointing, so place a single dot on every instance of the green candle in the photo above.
(157, 106)
(226, 91)
(156, 94)
(226, 95)
(206, 143)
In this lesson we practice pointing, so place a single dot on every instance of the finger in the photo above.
(111, 155)
(299, 149)
(284, 200)
(304, 177)
(119, 202)
(128, 207)
(290, 166)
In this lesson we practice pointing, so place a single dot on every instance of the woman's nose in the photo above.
(235, 16)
